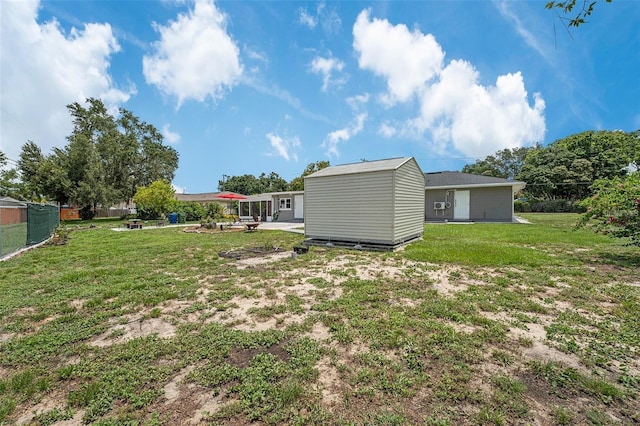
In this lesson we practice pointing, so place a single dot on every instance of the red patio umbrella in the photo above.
(232, 196)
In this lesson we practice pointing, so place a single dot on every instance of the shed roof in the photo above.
(459, 179)
(361, 167)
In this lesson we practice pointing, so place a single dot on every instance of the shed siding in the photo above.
(352, 207)
(408, 202)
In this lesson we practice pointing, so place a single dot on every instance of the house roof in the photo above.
(460, 180)
(361, 167)
(10, 202)
(266, 196)
(203, 197)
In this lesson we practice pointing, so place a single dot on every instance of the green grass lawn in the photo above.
(474, 324)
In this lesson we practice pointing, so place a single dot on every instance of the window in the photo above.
(285, 203)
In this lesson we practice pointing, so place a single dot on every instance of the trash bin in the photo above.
(173, 218)
(182, 217)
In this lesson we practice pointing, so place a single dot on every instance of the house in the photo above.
(12, 211)
(455, 196)
(202, 198)
(374, 203)
(224, 198)
(284, 206)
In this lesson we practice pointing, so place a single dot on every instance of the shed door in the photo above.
(461, 205)
(298, 204)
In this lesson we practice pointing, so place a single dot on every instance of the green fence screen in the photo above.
(42, 221)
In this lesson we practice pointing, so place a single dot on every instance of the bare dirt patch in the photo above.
(190, 406)
(255, 261)
(136, 328)
(241, 358)
(319, 332)
(329, 383)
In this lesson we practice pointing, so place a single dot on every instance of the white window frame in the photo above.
(285, 203)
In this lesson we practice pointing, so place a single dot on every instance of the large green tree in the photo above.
(568, 167)
(505, 163)
(104, 162)
(297, 184)
(249, 184)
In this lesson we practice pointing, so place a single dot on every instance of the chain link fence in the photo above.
(24, 224)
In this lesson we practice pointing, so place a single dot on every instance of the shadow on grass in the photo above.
(627, 259)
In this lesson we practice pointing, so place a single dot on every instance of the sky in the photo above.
(251, 87)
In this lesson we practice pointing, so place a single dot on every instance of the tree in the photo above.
(505, 164)
(297, 184)
(245, 184)
(10, 185)
(29, 164)
(615, 207)
(249, 184)
(566, 7)
(567, 168)
(272, 183)
(157, 198)
(105, 161)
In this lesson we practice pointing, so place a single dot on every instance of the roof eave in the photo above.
(516, 185)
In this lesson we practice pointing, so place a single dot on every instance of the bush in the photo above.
(552, 206)
(615, 208)
(520, 206)
(193, 211)
(214, 211)
(148, 214)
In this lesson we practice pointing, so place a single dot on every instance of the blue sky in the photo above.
(245, 87)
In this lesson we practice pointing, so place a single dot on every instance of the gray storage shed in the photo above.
(377, 203)
(455, 196)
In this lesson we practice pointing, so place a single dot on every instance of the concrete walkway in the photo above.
(295, 227)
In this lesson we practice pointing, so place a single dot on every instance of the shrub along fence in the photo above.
(547, 206)
(25, 224)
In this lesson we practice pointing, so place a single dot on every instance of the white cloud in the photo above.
(480, 120)
(333, 139)
(407, 60)
(331, 22)
(169, 136)
(455, 109)
(285, 148)
(356, 102)
(529, 38)
(327, 17)
(258, 56)
(326, 67)
(386, 130)
(44, 69)
(195, 58)
(342, 135)
(305, 19)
